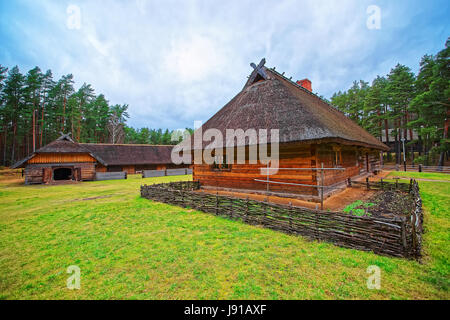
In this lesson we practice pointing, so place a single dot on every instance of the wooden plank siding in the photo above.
(242, 176)
(61, 158)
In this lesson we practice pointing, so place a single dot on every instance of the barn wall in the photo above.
(100, 168)
(129, 169)
(87, 171)
(132, 169)
(35, 173)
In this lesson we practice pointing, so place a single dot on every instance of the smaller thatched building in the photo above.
(65, 159)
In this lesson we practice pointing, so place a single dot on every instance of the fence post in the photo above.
(231, 207)
(367, 184)
(266, 209)
(321, 188)
(290, 216)
(217, 203)
(182, 198)
(382, 186)
(246, 208)
(405, 244)
(420, 168)
(414, 235)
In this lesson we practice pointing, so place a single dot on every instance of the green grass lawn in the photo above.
(132, 248)
(421, 175)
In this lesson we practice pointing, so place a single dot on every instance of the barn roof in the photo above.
(107, 154)
(129, 154)
(271, 101)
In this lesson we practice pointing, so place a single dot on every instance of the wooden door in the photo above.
(47, 175)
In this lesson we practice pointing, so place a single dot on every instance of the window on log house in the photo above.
(220, 164)
(337, 158)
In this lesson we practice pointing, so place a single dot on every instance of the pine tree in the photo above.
(400, 91)
(13, 105)
(431, 103)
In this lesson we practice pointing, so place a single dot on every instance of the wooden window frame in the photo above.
(221, 167)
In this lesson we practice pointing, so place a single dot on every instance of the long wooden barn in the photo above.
(65, 159)
(312, 133)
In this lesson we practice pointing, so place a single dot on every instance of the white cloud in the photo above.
(175, 62)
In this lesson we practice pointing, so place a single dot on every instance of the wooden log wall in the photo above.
(242, 176)
(393, 237)
(348, 158)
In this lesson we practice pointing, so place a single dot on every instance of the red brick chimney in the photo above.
(305, 83)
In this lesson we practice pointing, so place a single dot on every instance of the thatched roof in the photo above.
(129, 154)
(271, 101)
(107, 154)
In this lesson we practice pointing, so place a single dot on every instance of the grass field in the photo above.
(132, 248)
(421, 175)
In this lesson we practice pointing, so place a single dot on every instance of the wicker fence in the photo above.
(399, 236)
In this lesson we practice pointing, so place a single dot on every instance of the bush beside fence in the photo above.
(399, 236)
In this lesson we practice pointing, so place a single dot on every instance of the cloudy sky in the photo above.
(175, 62)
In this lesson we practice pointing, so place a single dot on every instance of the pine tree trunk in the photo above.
(5, 145)
(64, 114)
(442, 155)
(13, 143)
(42, 122)
(34, 130)
(397, 133)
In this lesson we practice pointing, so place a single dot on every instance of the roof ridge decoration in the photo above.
(258, 74)
(65, 136)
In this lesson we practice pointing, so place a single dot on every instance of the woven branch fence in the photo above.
(399, 236)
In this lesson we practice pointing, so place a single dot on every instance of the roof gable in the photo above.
(64, 144)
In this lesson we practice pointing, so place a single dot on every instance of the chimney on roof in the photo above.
(305, 83)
